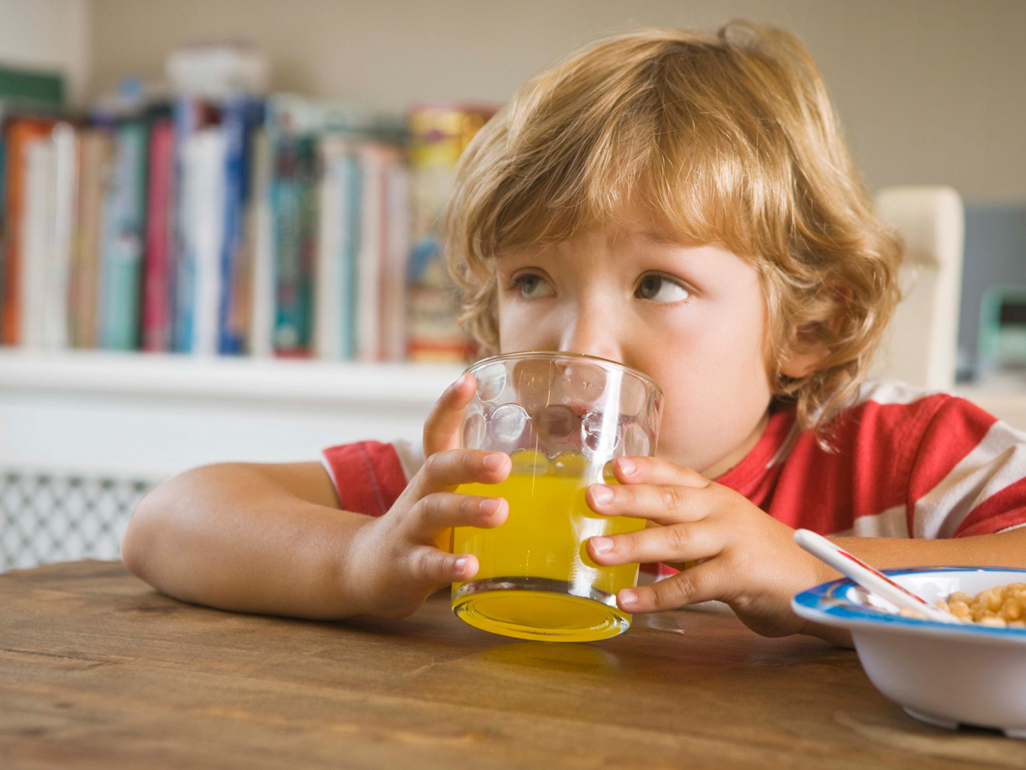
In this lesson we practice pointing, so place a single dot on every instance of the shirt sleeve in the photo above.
(969, 474)
(369, 476)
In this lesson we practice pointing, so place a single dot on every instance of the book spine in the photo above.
(368, 268)
(19, 132)
(294, 211)
(261, 324)
(123, 241)
(327, 306)
(35, 242)
(188, 116)
(241, 116)
(94, 160)
(156, 311)
(347, 170)
(205, 166)
(65, 147)
(396, 252)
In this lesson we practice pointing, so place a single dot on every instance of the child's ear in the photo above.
(797, 365)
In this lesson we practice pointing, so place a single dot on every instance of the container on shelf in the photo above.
(438, 135)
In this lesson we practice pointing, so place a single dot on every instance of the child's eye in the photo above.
(531, 286)
(661, 288)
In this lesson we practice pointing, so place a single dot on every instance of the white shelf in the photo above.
(261, 380)
(121, 414)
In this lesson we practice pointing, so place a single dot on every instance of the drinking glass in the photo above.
(562, 418)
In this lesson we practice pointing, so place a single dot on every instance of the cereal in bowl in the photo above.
(1000, 607)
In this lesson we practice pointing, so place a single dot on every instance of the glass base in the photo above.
(539, 609)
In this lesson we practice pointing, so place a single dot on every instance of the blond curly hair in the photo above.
(728, 139)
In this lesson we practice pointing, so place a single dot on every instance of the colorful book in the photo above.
(121, 259)
(293, 201)
(19, 133)
(241, 117)
(203, 176)
(338, 239)
(190, 116)
(157, 310)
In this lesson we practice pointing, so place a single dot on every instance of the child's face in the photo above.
(691, 317)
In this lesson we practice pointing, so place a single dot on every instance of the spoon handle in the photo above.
(869, 578)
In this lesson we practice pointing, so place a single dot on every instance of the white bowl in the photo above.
(942, 674)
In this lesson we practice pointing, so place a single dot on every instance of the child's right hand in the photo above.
(399, 559)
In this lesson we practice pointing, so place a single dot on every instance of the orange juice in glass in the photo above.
(562, 418)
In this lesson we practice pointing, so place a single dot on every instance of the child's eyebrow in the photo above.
(670, 239)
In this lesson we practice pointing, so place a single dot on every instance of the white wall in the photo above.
(48, 34)
(929, 91)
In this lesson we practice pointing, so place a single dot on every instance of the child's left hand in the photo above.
(748, 559)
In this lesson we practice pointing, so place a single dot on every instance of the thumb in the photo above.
(441, 429)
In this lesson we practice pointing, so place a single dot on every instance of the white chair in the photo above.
(921, 343)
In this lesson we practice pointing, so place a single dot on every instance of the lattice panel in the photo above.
(52, 517)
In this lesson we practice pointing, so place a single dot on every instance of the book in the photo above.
(56, 325)
(203, 178)
(261, 310)
(157, 321)
(338, 239)
(121, 258)
(373, 159)
(293, 201)
(18, 134)
(241, 117)
(94, 170)
(190, 116)
(36, 246)
(394, 260)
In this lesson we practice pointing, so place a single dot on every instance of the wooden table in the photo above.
(98, 670)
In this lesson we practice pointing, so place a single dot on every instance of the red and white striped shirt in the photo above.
(907, 463)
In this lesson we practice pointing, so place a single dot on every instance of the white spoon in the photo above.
(871, 579)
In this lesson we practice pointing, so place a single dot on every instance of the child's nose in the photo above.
(590, 336)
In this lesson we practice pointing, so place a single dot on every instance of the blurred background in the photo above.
(218, 217)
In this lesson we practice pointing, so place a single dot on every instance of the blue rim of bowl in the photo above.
(828, 600)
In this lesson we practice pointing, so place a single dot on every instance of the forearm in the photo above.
(229, 537)
(1006, 549)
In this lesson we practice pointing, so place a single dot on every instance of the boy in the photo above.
(682, 204)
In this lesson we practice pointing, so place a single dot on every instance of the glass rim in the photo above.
(556, 354)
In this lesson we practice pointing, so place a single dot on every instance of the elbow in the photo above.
(165, 524)
(137, 546)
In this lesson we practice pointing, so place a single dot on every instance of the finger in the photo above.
(697, 584)
(442, 426)
(429, 567)
(666, 505)
(655, 470)
(678, 542)
(444, 471)
(441, 510)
